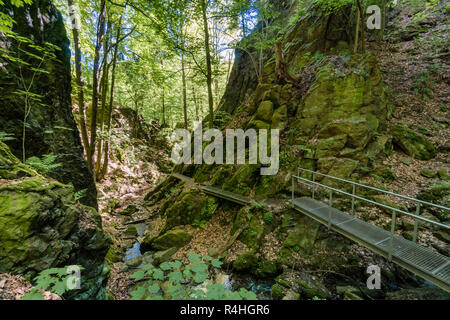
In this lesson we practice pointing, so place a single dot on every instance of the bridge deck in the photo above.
(231, 196)
(428, 264)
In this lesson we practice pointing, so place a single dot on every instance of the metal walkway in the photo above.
(422, 261)
(216, 192)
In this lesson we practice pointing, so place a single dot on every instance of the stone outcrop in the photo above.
(42, 225)
(50, 127)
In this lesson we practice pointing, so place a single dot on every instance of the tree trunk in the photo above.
(95, 86)
(104, 170)
(79, 81)
(363, 36)
(358, 18)
(208, 65)
(183, 78)
(104, 91)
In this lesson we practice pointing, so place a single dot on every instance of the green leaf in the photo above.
(154, 288)
(200, 277)
(216, 263)
(175, 276)
(33, 295)
(138, 275)
(201, 267)
(193, 257)
(176, 264)
(137, 294)
(165, 266)
(158, 274)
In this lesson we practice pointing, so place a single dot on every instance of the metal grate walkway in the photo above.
(427, 264)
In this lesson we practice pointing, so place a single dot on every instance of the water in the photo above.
(135, 250)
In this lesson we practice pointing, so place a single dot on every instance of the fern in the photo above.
(6, 136)
(44, 165)
(80, 194)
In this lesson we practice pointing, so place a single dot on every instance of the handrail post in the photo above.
(416, 222)
(391, 245)
(314, 184)
(353, 199)
(329, 211)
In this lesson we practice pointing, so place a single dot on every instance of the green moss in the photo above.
(268, 269)
(189, 207)
(412, 143)
(265, 111)
(243, 180)
(174, 238)
(277, 291)
(246, 262)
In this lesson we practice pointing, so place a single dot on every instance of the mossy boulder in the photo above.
(246, 262)
(311, 287)
(279, 118)
(412, 143)
(42, 226)
(427, 173)
(330, 147)
(342, 168)
(302, 238)
(436, 192)
(173, 238)
(265, 111)
(163, 256)
(243, 180)
(188, 207)
(268, 269)
(358, 129)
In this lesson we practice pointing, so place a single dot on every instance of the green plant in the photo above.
(79, 194)
(6, 136)
(44, 165)
(29, 57)
(183, 281)
(268, 217)
(55, 280)
(257, 204)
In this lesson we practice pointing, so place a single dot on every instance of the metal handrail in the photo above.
(376, 203)
(377, 189)
(353, 196)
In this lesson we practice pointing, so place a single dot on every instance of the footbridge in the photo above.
(416, 258)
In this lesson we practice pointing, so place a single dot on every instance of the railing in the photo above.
(313, 183)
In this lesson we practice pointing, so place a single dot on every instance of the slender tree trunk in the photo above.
(79, 81)
(208, 65)
(194, 97)
(358, 18)
(363, 36)
(104, 170)
(183, 78)
(95, 84)
(163, 108)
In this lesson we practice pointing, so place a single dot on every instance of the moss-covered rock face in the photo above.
(41, 226)
(189, 207)
(50, 128)
(173, 238)
(265, 111)
(243, 180)
(412, 143)
(246, 262)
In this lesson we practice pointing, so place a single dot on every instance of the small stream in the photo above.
(135, 250)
